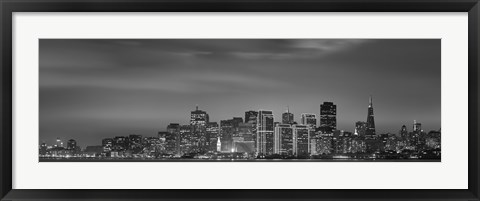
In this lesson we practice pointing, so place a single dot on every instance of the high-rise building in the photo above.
(283, 139)
(228, 130)
(213, 134)
(328, 117)
(172, 138)
(71, 144)
(265, 132)
(107, 144)
(404, 133)
(370, 131)
(301, 139)
(360, 128)
(309, 120)
(251, 116)
(198, 117)
(59, 143)
(186, 142)
(287, 117)
(417, 127)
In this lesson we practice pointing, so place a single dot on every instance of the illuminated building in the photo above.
(213, 133)
(185, 139)
(324, 145)
(433, 140)
(71, 144)
(283, 139)
(328, 117)
(265, 132)
(198, 117)
(172, 138)
(251, 116)
(120, 143)
(226, 132)
(301, 135)
(135, 142)
(309, 120)
(107, 144)
(219, 145)
(360, 128)
(162, 136)
(370, 131)
(417, 127)
(43, 149)
(59, 143)
(287, 117)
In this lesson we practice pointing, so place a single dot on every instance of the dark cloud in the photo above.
(90, 89)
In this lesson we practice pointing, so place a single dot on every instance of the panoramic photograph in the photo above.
(240, 100)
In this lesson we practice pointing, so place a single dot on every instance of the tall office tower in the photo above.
(173, 138)
(71, 144)
(360, 128)
(198, 121)
(417, 127)
(107, 144)
(213, 133)
(309, 120)
(301, 140)
(198, 117)
(370, 132)
(265, 132)
(404, 133)
(229, 129)
(186, 139)
(251, 116)
(328, 117)
(283, 139)
(243, 140)
(287, 117)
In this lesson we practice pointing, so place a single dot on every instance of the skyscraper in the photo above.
(417, 127)
(404, 133)
(213, 135)
(71, 144)
(173, 138)
(265, 132)
(309, 120)
(301, 140)
(328, 117)
(251, 116)
(370, 131)
(360, 128)
(287, 117)
(198, 117)
(283, 139)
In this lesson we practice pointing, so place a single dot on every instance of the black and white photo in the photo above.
(167, 100)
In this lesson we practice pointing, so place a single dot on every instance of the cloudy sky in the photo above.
(92, 89)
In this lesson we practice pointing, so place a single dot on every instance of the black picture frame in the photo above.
(8, 7)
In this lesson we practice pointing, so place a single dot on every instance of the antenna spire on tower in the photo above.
(370, 101)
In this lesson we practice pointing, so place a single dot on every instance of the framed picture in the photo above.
(262, 100)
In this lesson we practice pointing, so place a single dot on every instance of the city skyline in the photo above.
(93, 88)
